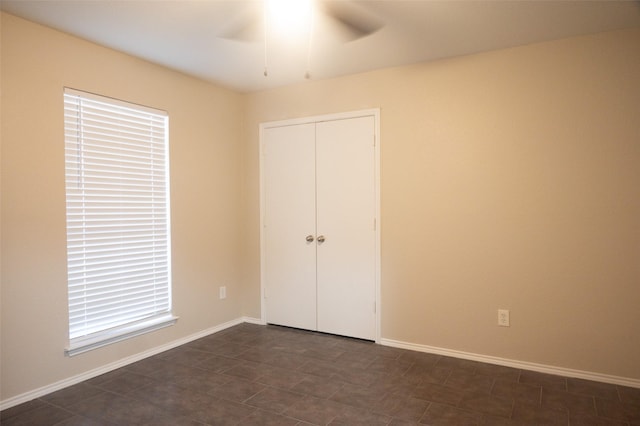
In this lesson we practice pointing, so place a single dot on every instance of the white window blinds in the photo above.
(118, 238)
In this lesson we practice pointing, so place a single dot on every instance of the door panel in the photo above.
(289, 197)
(345, 185)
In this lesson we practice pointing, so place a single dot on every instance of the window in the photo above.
(118, 236)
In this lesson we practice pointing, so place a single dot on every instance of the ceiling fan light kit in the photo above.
(286, 23)
(288, 18)
(294, 18)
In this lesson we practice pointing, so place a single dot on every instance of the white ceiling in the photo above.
(185, 35)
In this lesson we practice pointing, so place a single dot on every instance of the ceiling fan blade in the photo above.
(247, 27)
(355, 21)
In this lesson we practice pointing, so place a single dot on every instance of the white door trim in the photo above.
(375, 113)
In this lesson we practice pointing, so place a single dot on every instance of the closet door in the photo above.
(289, 225)
(345, 186)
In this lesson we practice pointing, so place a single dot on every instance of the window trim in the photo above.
(93, 341)
(84, 343)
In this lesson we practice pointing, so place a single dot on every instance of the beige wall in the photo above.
(510, 179)
(205, 131)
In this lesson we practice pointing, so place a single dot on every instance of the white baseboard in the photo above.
(37, 393)
(252, 320)
(541, 368)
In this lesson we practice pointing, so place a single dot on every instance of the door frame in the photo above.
(375, 113)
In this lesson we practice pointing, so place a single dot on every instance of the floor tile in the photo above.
(560, 400)
(279, 377)
(20, 409)
(321, 387)
(123, 411)
(428, 373)
(227, 349)
(236, 389)
(355, 345)
(620, 411)
(403, 422)
(457, 364)
(72, 395)
(106, 377)
(581, 419)
(320, 368)
(355, 359)
(469, 382)
(209, 343)
(587, 387)
(520, 393)
(402, 385)
(548, 381)
(528, 414)
(324, 354)
(314, 410)
(77, 420)
(146, 367)
(422, 359)
(488, 420)
(389, 366)
(272, 399)
(247, 370)
(358, 377)
(488, 404)
(172, 398)
(444, 415)
(44, 415)
(629, 395)
(206, 381)
(386, 351)
(498, 372)
(186, 355)
(266, 418)
(124, 383)
(353, 416)
(279, 359)
(438, 393)
(219, 364)
(359, 396)
(171, 372)
(223, 413)
(401, 407)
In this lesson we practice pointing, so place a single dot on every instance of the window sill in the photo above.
(88, 343)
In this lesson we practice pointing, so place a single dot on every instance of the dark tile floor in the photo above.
(257, 375)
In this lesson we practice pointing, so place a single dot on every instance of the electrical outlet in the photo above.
(223, 292)
(503, 317)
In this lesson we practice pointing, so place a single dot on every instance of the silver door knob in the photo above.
(321, 239)
(309, 238)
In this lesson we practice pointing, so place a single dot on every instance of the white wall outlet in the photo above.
(223, 292)
(503, 317)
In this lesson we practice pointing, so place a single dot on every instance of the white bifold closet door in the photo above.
(319, 199)
(289, 217)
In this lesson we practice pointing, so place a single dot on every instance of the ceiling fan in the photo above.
(351, 19)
